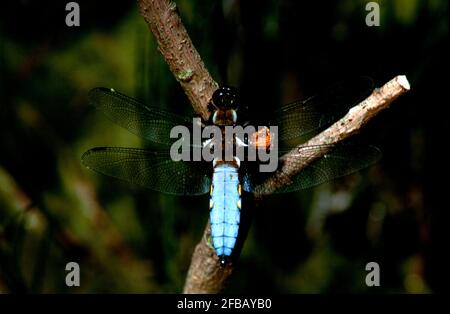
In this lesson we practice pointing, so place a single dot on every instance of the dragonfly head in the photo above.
(224, 105)
(226, 98)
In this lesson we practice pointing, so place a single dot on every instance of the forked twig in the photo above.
(205, 274)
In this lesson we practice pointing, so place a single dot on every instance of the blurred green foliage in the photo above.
(53, 211)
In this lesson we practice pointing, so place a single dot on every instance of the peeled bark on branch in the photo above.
(205, 274)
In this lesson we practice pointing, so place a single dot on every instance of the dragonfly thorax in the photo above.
(224, 117)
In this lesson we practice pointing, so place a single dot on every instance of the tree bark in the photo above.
(180, 54)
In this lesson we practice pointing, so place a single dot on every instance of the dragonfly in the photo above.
(225, 180)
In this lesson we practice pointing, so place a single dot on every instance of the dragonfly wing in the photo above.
(338, 161)
(302, 117)
(148, 122)
(151, 169)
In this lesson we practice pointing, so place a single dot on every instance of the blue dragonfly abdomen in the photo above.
(225, 209)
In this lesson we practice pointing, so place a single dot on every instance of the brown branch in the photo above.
(349, 125)
(205, 275)
(180, 54)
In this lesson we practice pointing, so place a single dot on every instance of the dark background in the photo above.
(53, 211)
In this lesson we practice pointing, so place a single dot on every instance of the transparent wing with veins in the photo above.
(302, 117)
(335, 161)
(151, 169)
(148, 122)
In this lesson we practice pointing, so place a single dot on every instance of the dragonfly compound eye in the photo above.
(226, 97)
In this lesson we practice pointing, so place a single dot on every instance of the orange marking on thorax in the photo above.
(261, 138)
